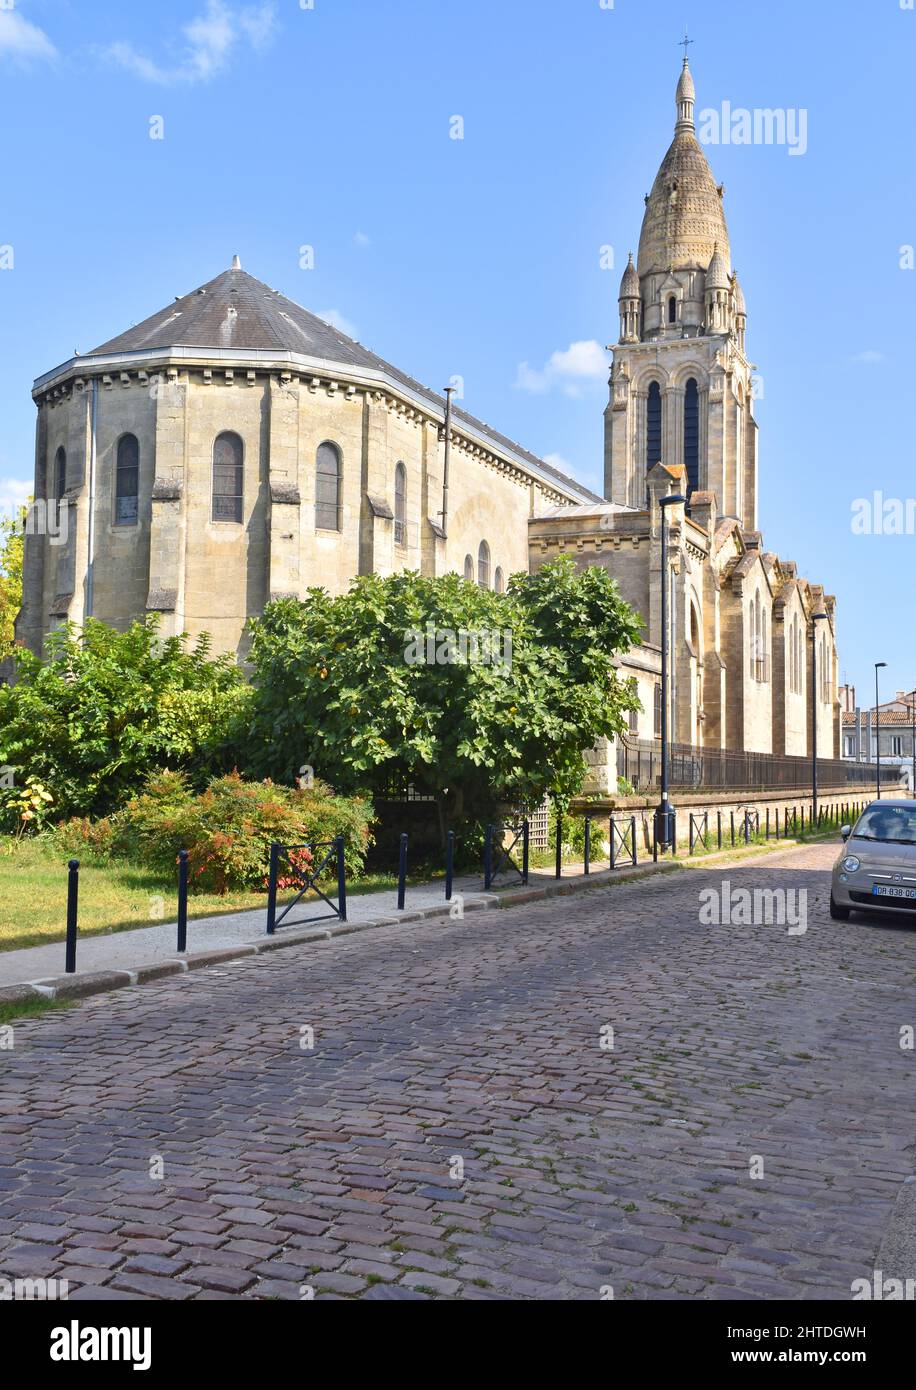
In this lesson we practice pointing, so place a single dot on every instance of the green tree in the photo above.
(342, 685)
(12, 536)
(103, 709)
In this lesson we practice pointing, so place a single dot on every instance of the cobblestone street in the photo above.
(584, 1166)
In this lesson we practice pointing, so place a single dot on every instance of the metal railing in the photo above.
(299, 863)
(696, 769)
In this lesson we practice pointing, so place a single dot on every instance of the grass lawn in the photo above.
(113, 896)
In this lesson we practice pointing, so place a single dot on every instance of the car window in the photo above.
(887, 823)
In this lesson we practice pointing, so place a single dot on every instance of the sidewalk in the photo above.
(126, 950)
(112, 960)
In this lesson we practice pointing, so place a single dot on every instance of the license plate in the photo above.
(882, 890)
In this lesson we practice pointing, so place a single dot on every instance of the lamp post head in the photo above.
(879, 664)
(673, 501)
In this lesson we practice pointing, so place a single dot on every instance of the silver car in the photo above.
(876, 871)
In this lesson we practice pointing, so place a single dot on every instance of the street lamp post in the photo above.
(878, 666)
(815, 619)
(663, 815)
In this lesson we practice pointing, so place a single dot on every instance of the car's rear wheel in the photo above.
(839, 914)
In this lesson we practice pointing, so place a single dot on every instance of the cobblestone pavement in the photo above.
(334, 1169)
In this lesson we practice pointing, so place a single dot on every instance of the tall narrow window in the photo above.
(327, 488)
(765, 647)
(753, 639)
(60, 473)
(127, 481)
(692, 435)
(228, 478)
(653, 426)
(672, 309)
(469, 568)
(498, 582)
(483, 565)
(400, 505)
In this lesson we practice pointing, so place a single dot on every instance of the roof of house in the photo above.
(236, 311)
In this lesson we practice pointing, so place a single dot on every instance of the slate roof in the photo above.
(235, 310)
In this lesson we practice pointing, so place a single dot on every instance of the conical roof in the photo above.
(629, 285)
(237, 312)
(717, 276)
(684, 217)
(740, 302)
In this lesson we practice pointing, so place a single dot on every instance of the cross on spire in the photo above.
(685, 43)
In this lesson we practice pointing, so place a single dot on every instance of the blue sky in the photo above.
(329, 127)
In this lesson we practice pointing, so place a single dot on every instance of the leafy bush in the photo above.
(574, 835)
(82, 838)
(228, 829)
(366, 687)
(26, 809)
(103, 708)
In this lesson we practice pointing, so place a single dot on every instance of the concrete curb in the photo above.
(101, 981)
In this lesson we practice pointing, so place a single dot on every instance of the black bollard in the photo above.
(272, 887)
(73, 888)
(182, 900)
(449, 864)
(402, 874)
(341, 879)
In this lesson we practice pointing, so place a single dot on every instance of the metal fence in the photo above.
(695, 769)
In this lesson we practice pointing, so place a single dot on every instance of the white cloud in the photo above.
(582, 363)
(211, 40)
(557, 461)
(337, 320)
(361, 239)
(23, 40)
(870, 357)
(14, 492)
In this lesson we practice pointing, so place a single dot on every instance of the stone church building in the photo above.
(233, 448)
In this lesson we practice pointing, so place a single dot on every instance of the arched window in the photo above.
(755, 604)
(127, 481)
(483, 565)
(825, 674)
(653, 426)
(228, 478)
(60, 473)
(327, 487)
(498, 582)
(672, 309)
(765, 646)
(692, 435)
(400, 505)
(469, 568)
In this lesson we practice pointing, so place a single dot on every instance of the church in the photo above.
(233, 448)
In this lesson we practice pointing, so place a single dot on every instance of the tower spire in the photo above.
(686, 94)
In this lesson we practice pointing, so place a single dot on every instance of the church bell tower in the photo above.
(681, 385)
